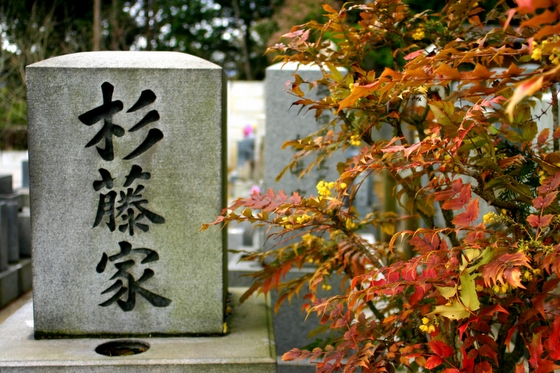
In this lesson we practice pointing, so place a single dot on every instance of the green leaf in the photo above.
(468, 292)
(485, 258)
(447, 291)
(454, 311)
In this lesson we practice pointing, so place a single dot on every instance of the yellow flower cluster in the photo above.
(500, 289)
(290, 221)
(427, 326)
(355, 140)
(542, 177)
(326, 287)
(303, 219)
(286, 222)
(324, 188)
(529, 274)
(350, 225)
(419, 34)
(309, 239)
(490, 218)
(553, 55)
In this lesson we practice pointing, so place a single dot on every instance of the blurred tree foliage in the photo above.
(231, 33)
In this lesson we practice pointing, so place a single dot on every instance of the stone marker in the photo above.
(283, 123)
(127, 161)
(4, 243)
(24, 231)
(12, 208)
(25, 174)
(6, 184)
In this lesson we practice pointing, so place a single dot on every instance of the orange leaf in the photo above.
(543, 136)
(527, 88)
(541, 19)
(329, 8)
(514, 70)
(530, 6)
(448, 72)
(291, 355)
(357, 92)
(546, 31)
(513, 277)
(481, 72)
(469, 216)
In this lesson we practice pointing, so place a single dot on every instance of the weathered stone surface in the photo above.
(25, 174)
(12, 208)
(24, 232)
(25, 276)
(248, 348)
(80, 107)
(283, 123)
(9, 286)
(3, 236)
(6, 186)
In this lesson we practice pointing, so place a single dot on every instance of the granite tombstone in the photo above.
(127, 160)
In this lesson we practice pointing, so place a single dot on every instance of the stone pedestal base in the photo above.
(249, 347)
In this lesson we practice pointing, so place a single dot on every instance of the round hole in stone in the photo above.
(122, 348)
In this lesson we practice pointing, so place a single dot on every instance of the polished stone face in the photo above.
(126, 163)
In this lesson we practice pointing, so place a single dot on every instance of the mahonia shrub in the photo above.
(477, 289)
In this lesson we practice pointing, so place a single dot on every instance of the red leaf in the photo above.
(539, 221)
(543, 202)
(448, 193)
(469, 216)
(483, 367)
(509, 335)
(535, 349)
(433, 362)
(417, 296)
(550, 184)
(459, 202)
(546, 366)
(486, 350)
(552, 344)
(413, 55)
(441, 349)
(467, 362)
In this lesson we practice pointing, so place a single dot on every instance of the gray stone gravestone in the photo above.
(24, 232)
(12, 208)
(127, 161)
(25, 174)
(4, 243)
(6, 184)
(283, 123)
